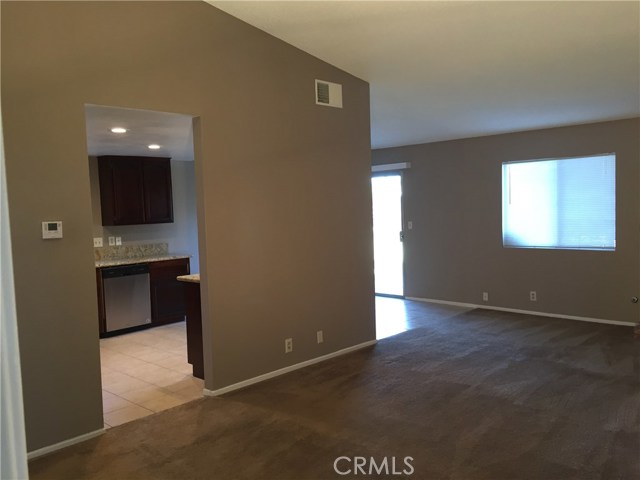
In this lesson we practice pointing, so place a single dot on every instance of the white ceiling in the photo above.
(438, 70)
(172, 131)
(445, 70)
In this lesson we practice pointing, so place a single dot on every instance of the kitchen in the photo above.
(145, 235)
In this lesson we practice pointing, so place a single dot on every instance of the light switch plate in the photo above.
(118, 240)
(112, 241)
(97, 242)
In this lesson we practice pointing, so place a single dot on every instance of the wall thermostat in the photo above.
(51, 230)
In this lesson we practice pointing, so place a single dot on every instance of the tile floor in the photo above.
(146, 372)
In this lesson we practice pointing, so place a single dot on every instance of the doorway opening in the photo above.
(142, 166)
(388, 252)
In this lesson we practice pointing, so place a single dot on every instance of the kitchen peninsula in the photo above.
(194, 322)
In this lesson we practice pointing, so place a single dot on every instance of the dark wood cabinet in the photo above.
(167, 294)
(135, 190)
(158, 198)
(194, 328)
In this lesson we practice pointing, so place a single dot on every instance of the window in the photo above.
(567, 203)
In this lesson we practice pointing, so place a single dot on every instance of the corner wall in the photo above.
(284, 200)
(453, 195)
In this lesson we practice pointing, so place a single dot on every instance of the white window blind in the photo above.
(567, 203)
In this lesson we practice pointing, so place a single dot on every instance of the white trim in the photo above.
(13, 446)
(282, 371)
(390, 166)
(66, 443)
(528, 312)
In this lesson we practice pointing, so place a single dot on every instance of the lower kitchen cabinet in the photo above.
(167, 294)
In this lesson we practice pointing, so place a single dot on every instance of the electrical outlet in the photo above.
(409, 225)
(97, 242)
(533, 296)
(112, 241)
(288, 345)
(485, 296)
(319, 336)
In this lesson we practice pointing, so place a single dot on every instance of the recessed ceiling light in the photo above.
(154, 146)
(119, 130)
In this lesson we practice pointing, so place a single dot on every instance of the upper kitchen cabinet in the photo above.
(135, 190)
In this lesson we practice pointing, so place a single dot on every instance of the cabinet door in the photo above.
(158, 201)
(122, 201)
(167, 293)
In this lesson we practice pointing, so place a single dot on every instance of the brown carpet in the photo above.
(482, 395)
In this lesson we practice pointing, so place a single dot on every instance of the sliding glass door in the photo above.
(387, 234)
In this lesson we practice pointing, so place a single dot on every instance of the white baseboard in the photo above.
(282, 371)
(528, 312)
(66, 443)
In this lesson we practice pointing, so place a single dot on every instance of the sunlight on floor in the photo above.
(391, 317)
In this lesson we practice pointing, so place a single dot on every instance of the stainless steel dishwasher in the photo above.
(127, 299)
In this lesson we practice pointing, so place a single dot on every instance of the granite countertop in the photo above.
(131, 261)
(193, 278)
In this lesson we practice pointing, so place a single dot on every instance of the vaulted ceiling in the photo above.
(445, 70)
(438, 70)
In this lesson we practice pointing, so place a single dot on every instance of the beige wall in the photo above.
(181, 235)
(283, 190)
(452, 194)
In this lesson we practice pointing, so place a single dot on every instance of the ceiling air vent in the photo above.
(328, 94)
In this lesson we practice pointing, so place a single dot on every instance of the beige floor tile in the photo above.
(113, 377)
(173, 335)
(106, 353)
(164, 402)
(143, 395)
(117, 344)
(149, 370)
(154, 356)
(146, 369)
(111, 357)
(187, 381)
(184, 368)
(141, 351)
(172, 347)
(148, 342)
(166, 379)
(171, 360)
(126, 386)
(157, 372)
(132, 365)
(112, 402)
(126, 414)
(122, 363)
(189, 393)
(129, 348)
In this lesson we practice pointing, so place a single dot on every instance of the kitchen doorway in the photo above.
(144, 360)
(388, 234)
